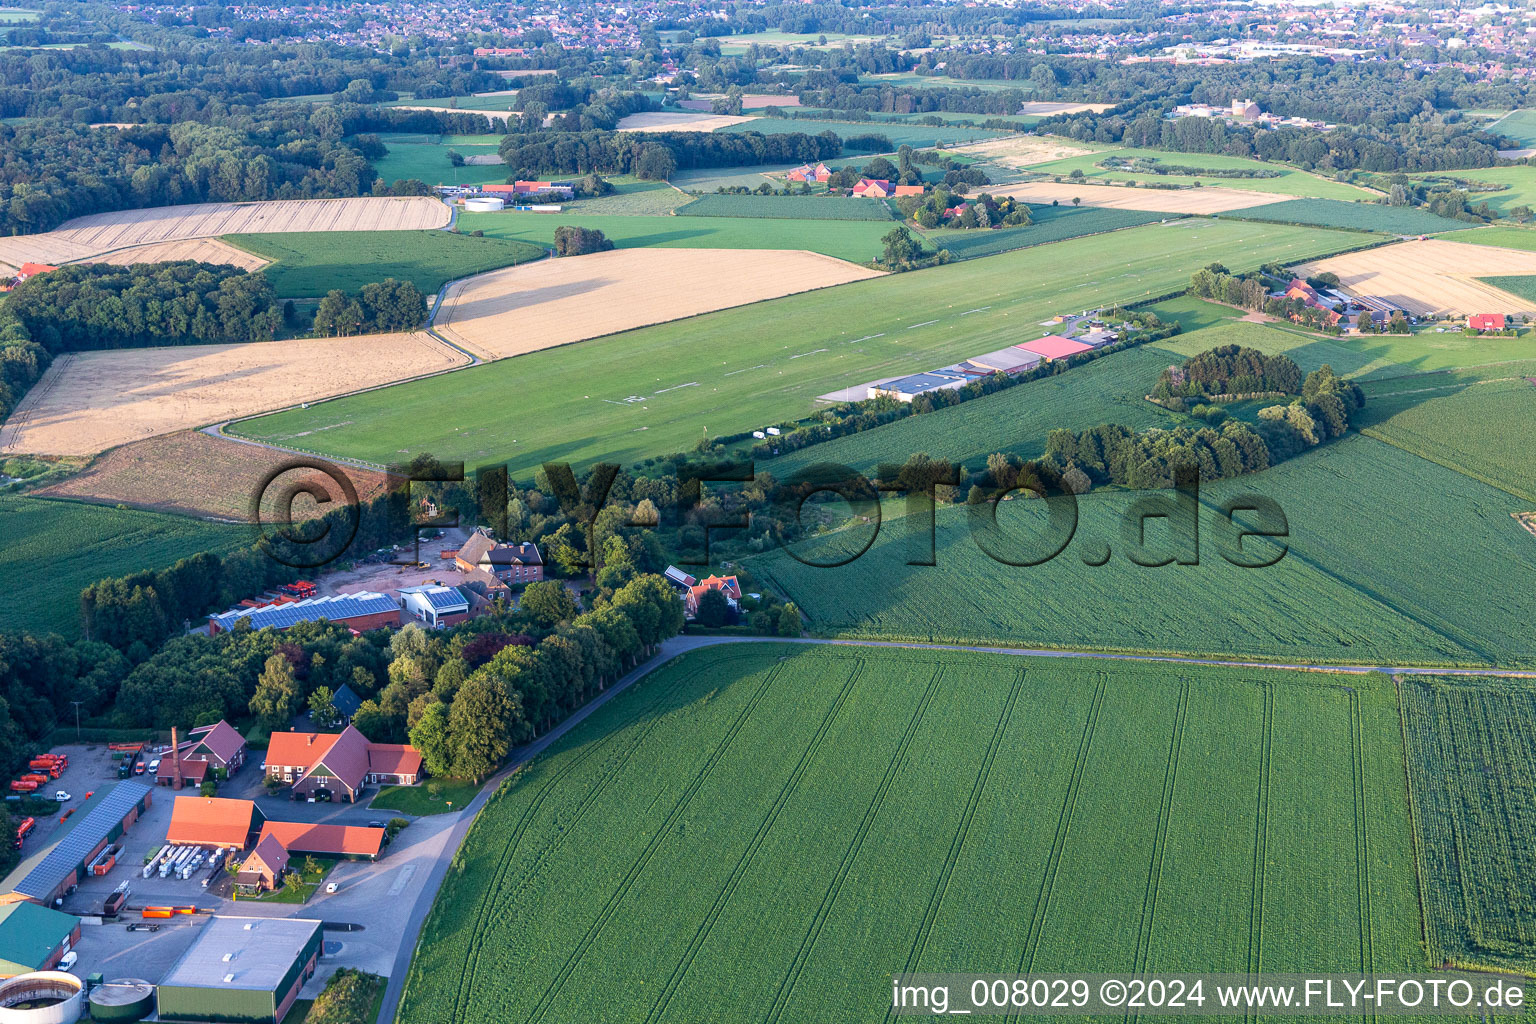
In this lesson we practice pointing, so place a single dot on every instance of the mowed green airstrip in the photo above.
(781, 829)
(659, 389)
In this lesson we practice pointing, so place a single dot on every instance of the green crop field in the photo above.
(498, 102)
(429, 162)
(1051, 224)
(1334, 213)
(1470, 749)
(310, 263)
(911, 78)
(1522, 285)
(949, 117)
(1503, 237)
(761, 819)
(55, 549)
(1367, 576)
(1292, 182)
(787, 207)
(781, 354)
(910, 134)
(632, 197)
(856, 241)
(1517, 124)
(1473, 421)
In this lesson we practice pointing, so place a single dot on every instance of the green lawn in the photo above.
(1293, 182)
(707, 179)
(1390, 558)
(310, 263)
(911, 78)
(780, 354)
(1349, 356)
(950, 117)
(429, 162)
(907, 133)
(781, 829)
(306, 888)
(54, 549)
(857, 241)
(435, 796)
(1051, 224)
(1335, 213)
(1193, 314)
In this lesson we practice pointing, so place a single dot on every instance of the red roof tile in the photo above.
(303, 837)
(210, 820)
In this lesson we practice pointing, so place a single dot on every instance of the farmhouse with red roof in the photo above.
(727, 585)
(337, 765)
(1486, 321)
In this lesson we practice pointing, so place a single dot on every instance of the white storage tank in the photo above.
(46, 997)
(485, 204)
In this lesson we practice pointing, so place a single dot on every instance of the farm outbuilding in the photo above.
(213, 821)
(904, 389)
(59, 865)
(1054, 346)
(362, 612)
(354, 842)
(33, 938)
(247, 969)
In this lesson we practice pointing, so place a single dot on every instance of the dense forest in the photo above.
(1229, 370)
(99, 305)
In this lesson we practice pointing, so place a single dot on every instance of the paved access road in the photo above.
(680, 645)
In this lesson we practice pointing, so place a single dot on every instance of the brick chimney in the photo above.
(176, 782)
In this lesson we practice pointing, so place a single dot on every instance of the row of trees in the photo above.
(98, 305)
(1115, 454)
(22, 360)
(657, 155)
(387, 305)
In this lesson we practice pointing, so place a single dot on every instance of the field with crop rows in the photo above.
(55, 549)
(1291, 181)
(856, 241)
(1469, 420)
(1334, 213)
(1503, 237)
(758, 819)
(656, 390)
(787, 207)
(1471, 746)
(633, 197)
(307, 264)
(1521, 285)
(915, 135)
(1365, 576)
(1051, 224)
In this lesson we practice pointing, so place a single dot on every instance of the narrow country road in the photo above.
(679, 645)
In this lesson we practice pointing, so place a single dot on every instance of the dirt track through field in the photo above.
(1432, 276)
(553, 302)
(203, 250)
(1157, 200)
(100, 233)
(90, 401)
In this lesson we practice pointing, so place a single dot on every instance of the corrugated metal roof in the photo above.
(71, 851)
(29, 933)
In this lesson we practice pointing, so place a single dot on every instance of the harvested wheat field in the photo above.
(554, 302)
(100, 233)
(1157, 200)
(1432, 276)
(193, 473)
(88, 402)
(203, 250)
(1045, 109)
(494, 115)
(1022, 150)
(666, 121)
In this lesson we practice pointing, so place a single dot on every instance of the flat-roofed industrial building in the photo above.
(245, 969)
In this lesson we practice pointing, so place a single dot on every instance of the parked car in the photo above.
(331, 887)
(62, 796)
(140, 926)
(375, 824)
(68, 960)
(154, 766)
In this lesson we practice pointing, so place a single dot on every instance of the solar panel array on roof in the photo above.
(447, 597)
(93, 827)
(341, 606)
